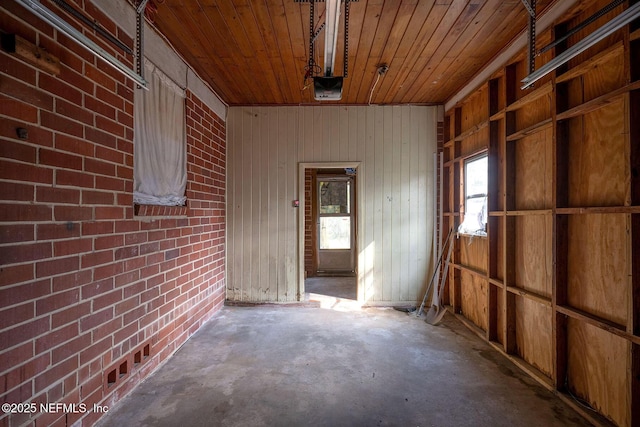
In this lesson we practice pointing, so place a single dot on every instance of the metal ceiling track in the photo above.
(624, 18)
(64, 27)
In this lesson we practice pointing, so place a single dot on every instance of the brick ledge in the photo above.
(160, 211)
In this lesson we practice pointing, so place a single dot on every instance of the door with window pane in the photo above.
(335, 225)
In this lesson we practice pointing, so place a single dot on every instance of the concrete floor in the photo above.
(339, 287)
(302, 366)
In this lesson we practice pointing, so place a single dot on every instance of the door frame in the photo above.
(302, 167)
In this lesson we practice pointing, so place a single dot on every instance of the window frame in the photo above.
(465, 197)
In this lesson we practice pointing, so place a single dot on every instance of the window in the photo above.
(476, 177)
(160, 152)
(335, 213)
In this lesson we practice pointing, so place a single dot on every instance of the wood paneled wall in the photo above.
(394, 146)
(556, 284)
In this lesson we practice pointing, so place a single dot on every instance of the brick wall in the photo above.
(94, 294)
(309, 228)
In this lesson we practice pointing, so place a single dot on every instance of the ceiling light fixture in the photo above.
(327, 86)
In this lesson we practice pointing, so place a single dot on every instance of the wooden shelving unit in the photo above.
(555, 284)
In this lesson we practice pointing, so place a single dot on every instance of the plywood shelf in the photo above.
(497, 116)
(635, 35)
(448, 144)
(474, 271)
(599, 210)
(530, 295)
(597, 103)
(471, 131)
(590, 64)
(598, 322)
(543, 90)
(496, 282)
(498, 214)
(527, 212)
(538, 127)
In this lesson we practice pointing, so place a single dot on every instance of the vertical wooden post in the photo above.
(510, 344)
(560, 185)
(633, 326)
(493, 204)
(458, 204)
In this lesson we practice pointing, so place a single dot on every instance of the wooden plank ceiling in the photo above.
(254, 52)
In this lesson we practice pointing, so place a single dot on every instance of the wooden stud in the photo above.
(634, 167)
(34, 55)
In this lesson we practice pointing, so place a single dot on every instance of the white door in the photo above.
(336, 237)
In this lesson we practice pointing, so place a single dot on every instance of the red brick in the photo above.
(108, 242)
(97, 258)
(70, 315)
(24, 333)
(15, 68)
(128, 277)
(61, 124)
(72, 213)
(74, 112)
(107, 183)
(126, 305)
(107, 271)
(109, 97)
(16, 355)
(99, 167)
(57, 301)
(97, 227)
(110, 126)
(70, 348)
(73, 178)
(55, 338)
(70, 247)
(109, 154)
(15, 274)
(97, 288)
(37, 134)
(94, 351)
(58, 87)
(73, 145)
(29, 94)
(96, 319)
(106, 330)
(57, 195)
(100, 137)
(23, 172)
(127, 226)
(106, 300)
(133, 315)
(90, 197)
(15, 315)
(76, 79)
(55, 374)
(16, 233)
(60, 159)
(99, 107)
(57, 266)
(126, 252)
(11, 191)
(57, 231)
(25, 253)
(125, 333)
(18, 151)
(71, 280)
(109, 212)
(25, 370)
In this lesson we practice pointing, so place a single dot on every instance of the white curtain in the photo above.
(159, 157)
